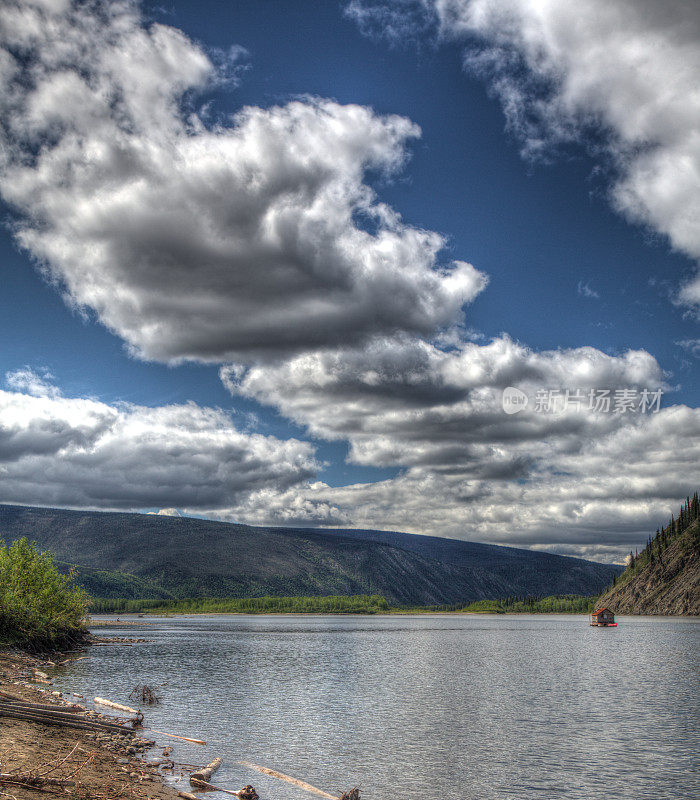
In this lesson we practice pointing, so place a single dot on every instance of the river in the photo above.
(444, 707)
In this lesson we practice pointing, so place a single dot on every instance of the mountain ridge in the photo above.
(188, 557)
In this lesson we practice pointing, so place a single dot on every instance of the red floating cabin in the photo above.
(603, 618)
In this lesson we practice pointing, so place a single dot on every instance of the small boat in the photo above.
(603, 618)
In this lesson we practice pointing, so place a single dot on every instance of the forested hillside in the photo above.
(140, 555)
(665, 577)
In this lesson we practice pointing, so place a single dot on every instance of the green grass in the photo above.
(40, 609)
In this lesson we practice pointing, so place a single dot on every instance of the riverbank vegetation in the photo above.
(354, 604)
(335, 604)
(40, 609)
(556, 604)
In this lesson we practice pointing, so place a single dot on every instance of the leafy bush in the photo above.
(39, 607)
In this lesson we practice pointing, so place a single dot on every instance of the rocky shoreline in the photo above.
(64, 761)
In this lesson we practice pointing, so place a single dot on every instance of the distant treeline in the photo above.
(555, 604)
(354, 604)
(335, 604)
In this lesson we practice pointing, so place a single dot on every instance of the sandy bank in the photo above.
(101, 765)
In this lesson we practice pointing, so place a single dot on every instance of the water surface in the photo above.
(447, 707)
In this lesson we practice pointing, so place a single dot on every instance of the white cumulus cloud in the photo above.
(629, 69)
(38, 384)
(256, 234)
(589, 481)
(622, 74)
(410, 402)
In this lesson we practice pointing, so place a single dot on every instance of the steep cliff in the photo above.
(667, 583)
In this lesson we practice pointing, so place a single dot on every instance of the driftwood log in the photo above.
(205, 773)
(46, 719)
(173, 736)
(294, 781)
(119, 707)
(67, 709)
(54, 713)
(353, 794)
(65, 717)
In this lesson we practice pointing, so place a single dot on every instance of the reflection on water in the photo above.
(448, 707)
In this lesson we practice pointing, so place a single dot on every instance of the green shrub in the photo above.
(39, 607)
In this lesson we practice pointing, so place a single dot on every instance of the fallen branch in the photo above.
(118, 706)
(173, 736)
(146, 694)
(66, 709)
(43, 712)
(62, 720)
(37, 781)
(294, 781)
(54, 767)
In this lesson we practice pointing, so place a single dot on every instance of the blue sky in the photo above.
(561, 261)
